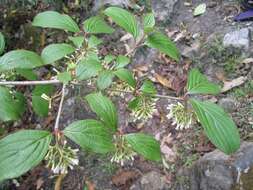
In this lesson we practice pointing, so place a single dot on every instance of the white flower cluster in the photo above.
(123, 152)
(145, 108)
(119, 88)
(60, 158)
(180, 116)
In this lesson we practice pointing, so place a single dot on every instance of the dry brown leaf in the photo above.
(167, 148)
(123, 177)
(39, 183)
(163, 80)
(228, 85)
(220, 75)
(90, 185)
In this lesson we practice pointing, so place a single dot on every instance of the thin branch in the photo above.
(168, 97)
(153, 95)
(26, 83)
(56, 126)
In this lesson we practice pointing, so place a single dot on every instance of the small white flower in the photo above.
(145, 109)
(180, 117)
(60, 158)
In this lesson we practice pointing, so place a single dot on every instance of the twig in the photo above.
(56, 126)
(25, 83)
(153, 95)
(168, 97)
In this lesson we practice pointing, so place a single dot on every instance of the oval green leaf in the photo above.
(54, 52)
(149, 22)
(164, 44)
(21, 151)
(12, 105)
(96, 25)
(39, 104)
(105, 79)
(145, 145)
(126, 76)
(148, 87)
(88, 68)
(90, 134)
(20, 59)
(218, 126)
(122, 61)
(124, 19)
(198, 84)
(53, 19)
(104, 108)
(77, 40)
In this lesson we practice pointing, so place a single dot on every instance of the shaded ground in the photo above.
(200, 40)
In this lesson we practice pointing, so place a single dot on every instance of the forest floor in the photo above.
(200, 40)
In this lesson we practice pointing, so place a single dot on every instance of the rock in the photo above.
(74, 107)
(191, 51)
(150, 181)
(229, 104)
(145, 56)
(217, 171)
(99, 3)
(164, 9)
(238, 39)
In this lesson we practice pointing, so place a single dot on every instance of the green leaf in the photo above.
(105, 79)
(39, 104)
(12, 105)
(125, 75)
(104, 108)
(218, 126)
(54, 52)
(198, 84)
(164, 44)
(90, 134)
(124, 19)
(77, 40)
(21, 151)
(149, 22)
(87, 68)
(27, 73)
(145, 145)
(2, 43)
(94, 41)
(53, 19)
(64, 77)
(134, 103)
(121, 61)
(109, 58)
(20, 59)
(199, 10)
(148, 87)
(96, 25)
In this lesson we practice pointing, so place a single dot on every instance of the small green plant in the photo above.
(79, 61)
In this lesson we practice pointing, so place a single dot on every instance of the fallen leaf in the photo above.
(228, 85)
(162, 80)
(199, 10)
(39, 183)
(167, 148)
(90, 185)
(123, 177)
